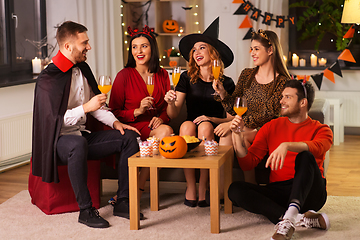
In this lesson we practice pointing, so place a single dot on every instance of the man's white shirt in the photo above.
(75, 117)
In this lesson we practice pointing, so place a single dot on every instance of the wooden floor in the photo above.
(343, 176)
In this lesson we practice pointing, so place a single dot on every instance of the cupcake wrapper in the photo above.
(146, 151)
(211, 150)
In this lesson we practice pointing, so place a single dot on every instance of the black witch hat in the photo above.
(210, 36)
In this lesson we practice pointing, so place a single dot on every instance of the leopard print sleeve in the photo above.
(228, 101)
(270, 108)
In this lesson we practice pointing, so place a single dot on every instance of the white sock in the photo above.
(292, 212)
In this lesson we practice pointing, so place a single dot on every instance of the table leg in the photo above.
(228, 166)
(134, 203)
(154, 189)
(214, 200)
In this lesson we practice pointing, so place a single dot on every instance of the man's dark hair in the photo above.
(154, 65)
(303, 90)
(68, 29)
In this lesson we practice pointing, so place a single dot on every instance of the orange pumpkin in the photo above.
(170, 26)
(173, 147)
(173, 63)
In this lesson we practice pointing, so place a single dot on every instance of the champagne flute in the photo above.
(104, 85)
(176, 75)
(216, 72)
(240, 107)
(150, 87)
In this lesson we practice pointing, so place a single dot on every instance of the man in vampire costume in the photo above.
(65, 92)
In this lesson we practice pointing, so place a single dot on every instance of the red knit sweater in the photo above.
(316, 135)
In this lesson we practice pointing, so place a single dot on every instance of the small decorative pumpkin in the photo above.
(173, 63)
(173, 147)
(170, 26)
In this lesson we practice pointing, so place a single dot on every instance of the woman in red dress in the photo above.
(130, 100)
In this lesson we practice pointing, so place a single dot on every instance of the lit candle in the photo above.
(302, 62)
(322, 61)
(295, 60)
(313, 60)
(36, 65)
(284, 58)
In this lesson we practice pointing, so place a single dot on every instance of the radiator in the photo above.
(351, 105)
(15, 140)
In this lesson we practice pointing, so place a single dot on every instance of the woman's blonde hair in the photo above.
(194, 69)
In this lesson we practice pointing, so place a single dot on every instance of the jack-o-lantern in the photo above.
(173, 147)
(172, 63)
(170, 26)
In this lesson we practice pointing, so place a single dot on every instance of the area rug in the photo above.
(19, 219)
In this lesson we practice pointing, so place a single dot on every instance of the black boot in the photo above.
(121, 209)
(91, 218)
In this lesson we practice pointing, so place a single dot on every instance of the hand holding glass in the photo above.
(216, 71)
(104, 85)
(240, 107)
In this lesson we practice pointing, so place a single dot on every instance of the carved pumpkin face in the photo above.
(172, 63)
(173, 147)
(170, 26)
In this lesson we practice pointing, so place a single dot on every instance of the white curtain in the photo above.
(103, 20)
(276, 7)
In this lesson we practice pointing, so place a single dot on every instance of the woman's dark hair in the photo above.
(303, 90)
(154, 65)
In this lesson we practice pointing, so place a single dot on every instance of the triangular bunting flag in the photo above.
(335, 68)
(246, 23)
(347, 56)
(243, 9)
(329, 75)
(350, 32)
(249, 34)
(318, 79)
(238, 1)
(301, 77)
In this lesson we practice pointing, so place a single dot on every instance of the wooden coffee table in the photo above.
(194, 159)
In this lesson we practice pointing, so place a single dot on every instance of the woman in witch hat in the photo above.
(261, 86)
(205, 115)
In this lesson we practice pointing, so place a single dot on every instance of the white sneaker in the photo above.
(284, 230)
(312, 219)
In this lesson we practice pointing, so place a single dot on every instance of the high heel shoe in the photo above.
(203, 203)
(190, 203)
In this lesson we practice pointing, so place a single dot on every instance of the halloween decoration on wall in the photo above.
(334, 68)
(170, 26)
(246, 7)
(173, 147)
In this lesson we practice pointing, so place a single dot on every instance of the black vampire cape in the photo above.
(50, 104)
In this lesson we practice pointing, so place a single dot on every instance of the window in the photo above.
(22, 26)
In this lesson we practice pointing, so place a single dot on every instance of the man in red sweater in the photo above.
(296, 145)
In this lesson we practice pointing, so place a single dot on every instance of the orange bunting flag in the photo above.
(238, 1)
(301, 77)
(347, 56)
(350, 32)
(329, 75)
(246, 23)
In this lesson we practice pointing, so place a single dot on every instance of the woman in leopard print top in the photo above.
(262, 86)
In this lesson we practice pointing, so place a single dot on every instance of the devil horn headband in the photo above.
(146, 30)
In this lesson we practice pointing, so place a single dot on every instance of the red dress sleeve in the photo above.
(118, 98)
